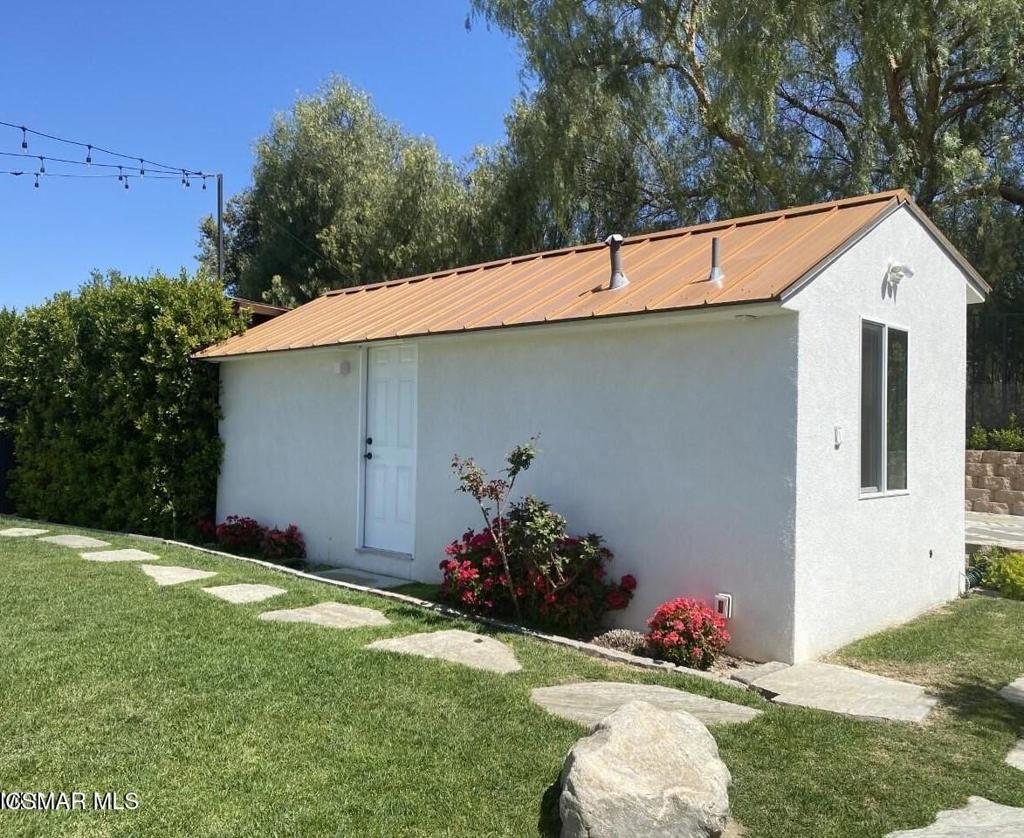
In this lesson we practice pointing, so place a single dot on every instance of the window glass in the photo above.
(896, 411)
(871, 409)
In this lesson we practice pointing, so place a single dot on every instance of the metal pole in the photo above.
(220, 228)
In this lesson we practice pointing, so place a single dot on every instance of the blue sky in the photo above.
(193, 84)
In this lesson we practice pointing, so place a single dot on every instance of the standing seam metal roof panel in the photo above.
(761, 256)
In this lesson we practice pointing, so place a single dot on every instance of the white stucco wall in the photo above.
(291, 446)
(674, 438)
(866, 563)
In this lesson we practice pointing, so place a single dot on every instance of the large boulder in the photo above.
(645, 772)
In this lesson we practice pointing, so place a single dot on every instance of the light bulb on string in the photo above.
(142, 167)
(24, 138)
(120, 173)
(88, 156)
(184, 182)
(36, 184)
(126, 181)
(204, 183)
(42, 165)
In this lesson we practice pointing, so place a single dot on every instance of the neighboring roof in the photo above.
(762, 256)
(260, 309)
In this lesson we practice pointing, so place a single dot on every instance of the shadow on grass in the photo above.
(549, 824)
(974, 700)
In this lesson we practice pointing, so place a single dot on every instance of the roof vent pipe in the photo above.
(618, 279)
(717, 274)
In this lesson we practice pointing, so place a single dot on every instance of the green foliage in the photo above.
(977, 439)
(1008, 438)
(979, 563)
(1006, 575)
(114, 424)
(340, 196)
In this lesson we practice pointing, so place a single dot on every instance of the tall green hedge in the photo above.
(115, 426)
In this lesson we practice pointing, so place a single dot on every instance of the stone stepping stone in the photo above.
(240, 594)
(21, 532)
(79, 542)
(1014, 692)
(590, 701)
(129, 555)
(1015, 759)
(980, 817)
(173, 574)
(457, 646)
(840, 689)
(333, 614)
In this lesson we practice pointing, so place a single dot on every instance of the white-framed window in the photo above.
(883, 409)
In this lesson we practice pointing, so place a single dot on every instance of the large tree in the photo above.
(758, 105)
(340, 196)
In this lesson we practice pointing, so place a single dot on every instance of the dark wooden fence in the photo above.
(995, 368)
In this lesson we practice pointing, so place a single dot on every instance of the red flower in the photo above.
(628, 582)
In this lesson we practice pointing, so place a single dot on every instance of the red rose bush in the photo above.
(524, 565)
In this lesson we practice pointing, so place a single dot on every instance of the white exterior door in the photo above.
(390, 449)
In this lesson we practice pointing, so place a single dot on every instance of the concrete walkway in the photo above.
(243, 594)
(165, 575)
(1015, 759)
(362, 577)
(980, 818)
(590, 701)
(1014, 691)
(984, 529)
(456, 646)
(128, 555)
(331, 614)
(840, 689)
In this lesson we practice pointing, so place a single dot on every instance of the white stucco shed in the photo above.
(790, 434)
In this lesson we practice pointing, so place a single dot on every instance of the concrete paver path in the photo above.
(240, 594)
(590, 701)
(173, 574)
(78, 542)
(333, 614)
(1014, 691)
(980, 818)
(361, 577)
(129, 555)
(987, 529)
(840, 689)
(21, 532)
(1015, 759)
(456, 646)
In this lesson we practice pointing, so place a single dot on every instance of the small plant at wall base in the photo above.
(1006, 574)
(239, 534)
(524, 564)
(687, 632)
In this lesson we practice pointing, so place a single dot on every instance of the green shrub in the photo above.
(114, 425)
(1006, 575)
(977, 439)
(1008, 438)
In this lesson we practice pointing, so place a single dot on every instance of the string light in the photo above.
(42, 165)
(37, 180)
(142, 167)
(91, 147)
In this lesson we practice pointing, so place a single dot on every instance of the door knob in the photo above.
(368, 455)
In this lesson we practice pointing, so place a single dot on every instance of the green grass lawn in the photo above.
(223, 724)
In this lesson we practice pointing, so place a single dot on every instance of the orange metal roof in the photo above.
(761, 255)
